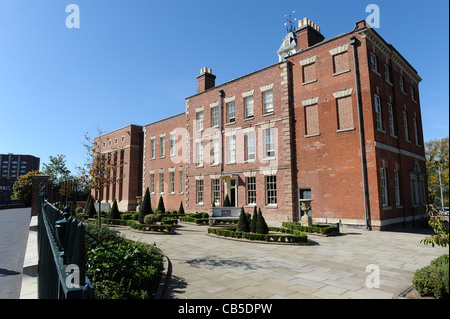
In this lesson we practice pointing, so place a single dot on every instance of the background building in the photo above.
(11, 167)
(337, 121)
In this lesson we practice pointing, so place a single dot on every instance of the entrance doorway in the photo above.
(233, 193)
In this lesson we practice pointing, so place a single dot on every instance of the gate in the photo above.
(62, 255)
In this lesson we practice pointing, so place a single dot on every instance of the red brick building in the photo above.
(337, 121)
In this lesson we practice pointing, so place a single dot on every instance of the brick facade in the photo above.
(311, 126)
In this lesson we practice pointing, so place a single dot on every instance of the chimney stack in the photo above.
(308, 34)
(205, 80)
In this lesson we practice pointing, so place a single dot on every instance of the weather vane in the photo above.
(290, 26)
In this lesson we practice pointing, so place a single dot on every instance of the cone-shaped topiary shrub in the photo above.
(261, 226)
(161, 207)
(146, 207)
(253, 221)
(226, 202)
(181, 209)
(243, 222)
(114, 212)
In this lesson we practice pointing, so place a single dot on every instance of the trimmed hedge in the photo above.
(145, 227)
(320, 229)
(198, 221)
(295, 237)
(432, 280)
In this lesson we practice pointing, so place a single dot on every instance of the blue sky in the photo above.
(135, 61)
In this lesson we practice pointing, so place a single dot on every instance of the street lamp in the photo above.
(438, 163)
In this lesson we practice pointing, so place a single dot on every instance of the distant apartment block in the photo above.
(11, 167)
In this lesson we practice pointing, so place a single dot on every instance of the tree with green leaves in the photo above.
(23, 187)
(437, 156)
(440, 227)
(243, 222)
(56, 168)
(146, 207)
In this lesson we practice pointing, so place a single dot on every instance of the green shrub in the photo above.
(181, 209)
(254, 220)
(295, 237)
(261, 225)
(123, 269)
(114, 212)
(126, 216)
(320, 229)
(428, 281)
(226, 202)
(161, 207)
(243, 222)
(146, 207)
(150, 219)
(135, 216)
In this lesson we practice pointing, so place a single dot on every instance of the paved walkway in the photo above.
(14, 229)
(331, 267)
(210, 267)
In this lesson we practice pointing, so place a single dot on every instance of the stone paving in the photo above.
(330, 267)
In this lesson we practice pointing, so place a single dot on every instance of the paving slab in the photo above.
(333, 267)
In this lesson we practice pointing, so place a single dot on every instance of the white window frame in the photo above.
(391, 119)
(416, 131)
(180, 181)
(199, 191)
(249, 147)
(162, 146)
(171, 182)
(215, 191)
(397, 188)
(384, 187)
(215, 116)
(401, 82)
(250, 187)
(171, 144)
(161, 182)
(249, 107)
(231, 112)
(378, 112)
(152, 183)
(374, 62)
(231, 149)
(405, 126)
(270, 182)
(269, 143)
(214, 152)
(199, 153)
(153, 148)
(199, 121)
(267, 102)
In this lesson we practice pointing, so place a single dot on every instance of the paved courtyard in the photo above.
(330, 267)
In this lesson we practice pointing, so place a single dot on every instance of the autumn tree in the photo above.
(436, 154)
(101, 167)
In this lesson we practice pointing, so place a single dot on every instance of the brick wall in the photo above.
(165, 163)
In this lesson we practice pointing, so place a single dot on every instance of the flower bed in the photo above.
(292, 235)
